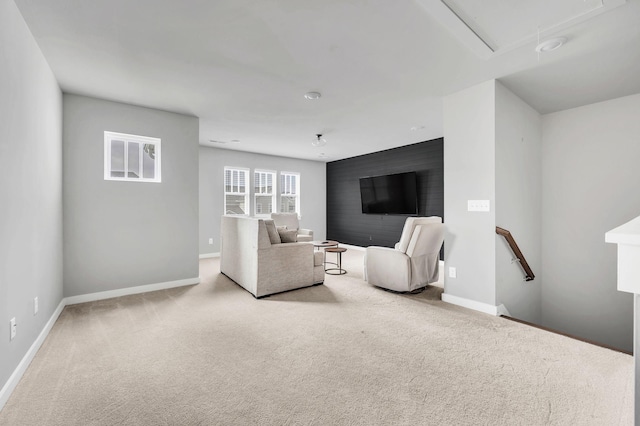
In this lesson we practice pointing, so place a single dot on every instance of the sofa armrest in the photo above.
(388, 268)
(284, 267)
(305, 231)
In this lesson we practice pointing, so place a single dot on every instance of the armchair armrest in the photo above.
(305, 235)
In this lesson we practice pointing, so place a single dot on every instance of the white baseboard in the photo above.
(349, 246)
(17, 374)
(209, 255)
(470, 304)
(503, 311)
(91, 297)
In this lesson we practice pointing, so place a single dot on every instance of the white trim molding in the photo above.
(91, 297)
(17, 374)
(471, 304)
(349, 246)
(209, 255)
(503, 311)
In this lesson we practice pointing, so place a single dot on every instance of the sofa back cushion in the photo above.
(274, 236)
(290, 220)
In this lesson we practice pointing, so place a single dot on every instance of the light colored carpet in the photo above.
(339, 354)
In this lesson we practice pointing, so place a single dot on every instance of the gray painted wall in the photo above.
(212, 164)
(469, 174)
(518, 203)
(590, 185)
(30, 189)
(126, 234)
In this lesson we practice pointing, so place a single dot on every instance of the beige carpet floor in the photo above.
(343, 353)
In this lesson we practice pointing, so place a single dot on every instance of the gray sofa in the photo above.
(248, 257)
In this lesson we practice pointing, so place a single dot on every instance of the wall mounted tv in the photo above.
(389, 194)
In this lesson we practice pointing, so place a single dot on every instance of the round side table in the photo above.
(338, 251)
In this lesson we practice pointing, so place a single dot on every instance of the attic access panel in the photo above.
(489, 27)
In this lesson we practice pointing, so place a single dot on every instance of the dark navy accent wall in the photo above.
(345, 221)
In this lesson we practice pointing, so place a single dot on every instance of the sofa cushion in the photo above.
(288, 235)
(274, 236)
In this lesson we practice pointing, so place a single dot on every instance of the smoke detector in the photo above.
(551, 44)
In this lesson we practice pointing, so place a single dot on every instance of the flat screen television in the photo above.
(389, 194)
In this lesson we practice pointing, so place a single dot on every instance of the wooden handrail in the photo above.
(516, 251)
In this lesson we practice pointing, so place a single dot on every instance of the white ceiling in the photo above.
(243, 66)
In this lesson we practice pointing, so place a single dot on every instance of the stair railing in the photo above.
(519, 257)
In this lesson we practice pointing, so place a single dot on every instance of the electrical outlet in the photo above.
(210, 240)
(12, 324)
(35, 305)
(452, 272)
(370, 238)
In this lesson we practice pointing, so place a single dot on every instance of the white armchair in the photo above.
(290, 220)
(413, 263)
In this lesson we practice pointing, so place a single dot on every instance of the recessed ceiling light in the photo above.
(414, 128)
(235, 140)
(319, 141)
(215, 141)
(322, 155)
(312, 95)
(551, 44)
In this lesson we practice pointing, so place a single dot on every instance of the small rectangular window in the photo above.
(290, 192)
(236, 191)
(264, 192)
(131, 158)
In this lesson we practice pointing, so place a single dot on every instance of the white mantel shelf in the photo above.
(627, 237)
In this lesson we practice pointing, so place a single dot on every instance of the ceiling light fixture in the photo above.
(312, 96)
(414, 128)
(320, 141)
(551, 44)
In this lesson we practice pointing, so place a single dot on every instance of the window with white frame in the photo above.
(131, 158)
(236, 191)
(264, 192)
(289, 192)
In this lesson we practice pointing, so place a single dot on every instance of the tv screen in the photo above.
(389, 194)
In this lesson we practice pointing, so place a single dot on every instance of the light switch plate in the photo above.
(478, 205)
